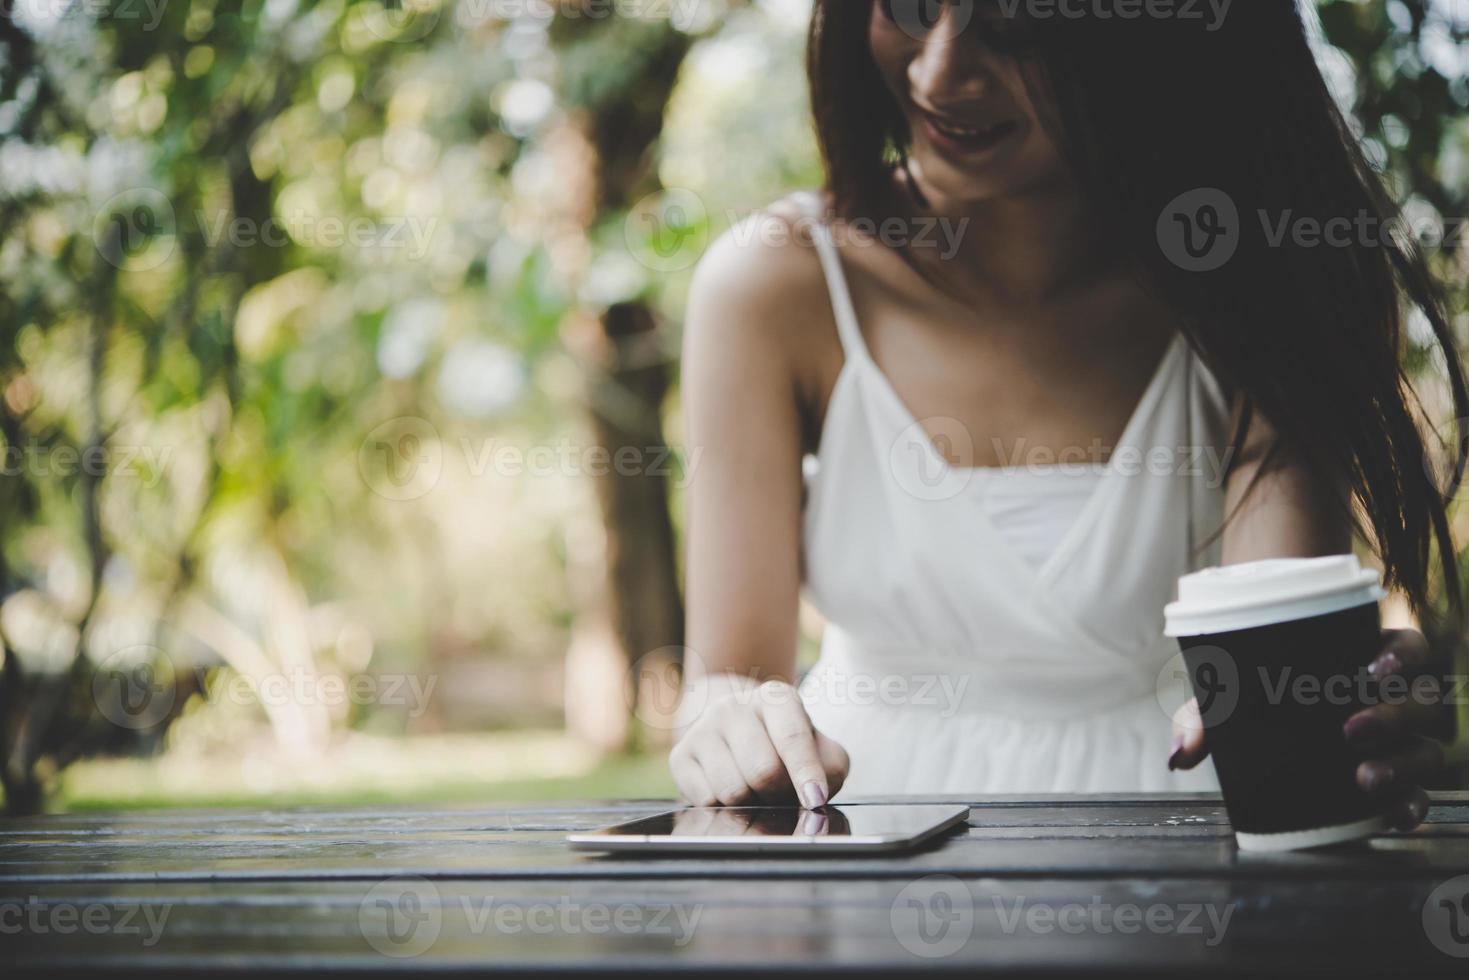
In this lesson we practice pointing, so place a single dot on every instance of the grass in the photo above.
(365, 770)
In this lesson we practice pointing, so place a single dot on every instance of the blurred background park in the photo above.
(338, 372)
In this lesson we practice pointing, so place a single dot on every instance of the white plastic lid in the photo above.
(1259, 593)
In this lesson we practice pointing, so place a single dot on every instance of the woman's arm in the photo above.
(1288, 514)
(744, 499)
(746, 734)
(1291, 514)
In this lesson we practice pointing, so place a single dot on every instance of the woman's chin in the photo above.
(944, 184)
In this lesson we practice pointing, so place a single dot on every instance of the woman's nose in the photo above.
(947, 68)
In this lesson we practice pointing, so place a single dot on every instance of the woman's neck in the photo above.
(1023, 247)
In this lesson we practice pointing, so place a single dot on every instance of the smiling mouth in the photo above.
(958, 138)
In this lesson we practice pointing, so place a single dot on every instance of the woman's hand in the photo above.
(753, 742)
(1398, 736)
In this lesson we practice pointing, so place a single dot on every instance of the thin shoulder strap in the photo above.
(1193, 488)
(836, 278)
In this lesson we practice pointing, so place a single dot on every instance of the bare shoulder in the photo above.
(759, 330)
(761, 282)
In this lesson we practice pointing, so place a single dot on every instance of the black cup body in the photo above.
(1273, 701)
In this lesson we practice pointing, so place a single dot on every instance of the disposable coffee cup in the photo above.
(1277, 653)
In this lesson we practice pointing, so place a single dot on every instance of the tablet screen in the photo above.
(871, 821)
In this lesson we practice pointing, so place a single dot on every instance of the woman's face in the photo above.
(976, 133)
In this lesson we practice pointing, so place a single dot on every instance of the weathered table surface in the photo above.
(1097, 885)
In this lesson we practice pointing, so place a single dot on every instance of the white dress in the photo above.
(952, 664)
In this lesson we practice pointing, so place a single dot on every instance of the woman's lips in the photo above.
(954, 138)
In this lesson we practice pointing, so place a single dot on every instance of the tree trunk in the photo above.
(627, 389)
(642, 565)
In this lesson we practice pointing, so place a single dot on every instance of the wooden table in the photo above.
(1100, 885)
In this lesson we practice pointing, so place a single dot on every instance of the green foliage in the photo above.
(264, 259)
(243, 241)
(1409, 93)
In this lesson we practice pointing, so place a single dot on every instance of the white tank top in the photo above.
(955, 661)
(1034, 506)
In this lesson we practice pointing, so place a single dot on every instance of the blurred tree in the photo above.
(1403, 75)
(173, 177)
(269, 263)
(619, 109)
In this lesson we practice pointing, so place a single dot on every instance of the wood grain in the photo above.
(1081, 886)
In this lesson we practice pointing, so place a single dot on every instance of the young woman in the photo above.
(1092, 346)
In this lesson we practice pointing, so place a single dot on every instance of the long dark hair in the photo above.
(1147, 110)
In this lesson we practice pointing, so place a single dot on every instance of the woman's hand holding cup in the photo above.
(1399, 738)
(1322, 725)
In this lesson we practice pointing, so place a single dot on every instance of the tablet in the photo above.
(842, 828)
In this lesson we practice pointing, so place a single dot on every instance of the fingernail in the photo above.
(1386, 664)
(1363, 728)
(812, 795)
(1417, 811)
(1375, 776)
(1176, 750)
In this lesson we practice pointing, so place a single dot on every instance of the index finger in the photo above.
(1402, 652)
(795, 742)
